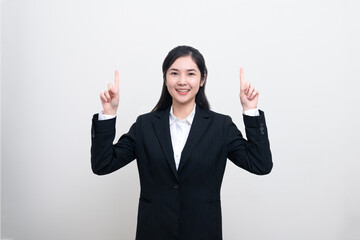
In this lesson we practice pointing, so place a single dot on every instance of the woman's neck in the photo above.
(182, 111)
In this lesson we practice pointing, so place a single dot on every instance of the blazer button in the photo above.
(176, 186)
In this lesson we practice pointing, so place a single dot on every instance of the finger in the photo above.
(254, 94)
(116, 79)
(103, 98)
(247, 87)
(107, 95)
(250, 91)
(242, 80)
(111, 88)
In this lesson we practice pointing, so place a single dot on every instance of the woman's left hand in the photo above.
(248, 94)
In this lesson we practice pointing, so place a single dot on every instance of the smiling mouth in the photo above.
(182, 90)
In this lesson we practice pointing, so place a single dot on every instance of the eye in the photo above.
(173, 73)
(191, 74)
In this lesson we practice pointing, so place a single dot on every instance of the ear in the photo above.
(202, 82)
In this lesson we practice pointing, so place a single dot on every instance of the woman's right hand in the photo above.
(110, 98)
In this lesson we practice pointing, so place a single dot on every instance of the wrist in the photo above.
(109, 112)
(248, 108)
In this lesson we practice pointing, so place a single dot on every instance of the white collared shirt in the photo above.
(179, 129)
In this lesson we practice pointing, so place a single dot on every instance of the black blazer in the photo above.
(181, 204)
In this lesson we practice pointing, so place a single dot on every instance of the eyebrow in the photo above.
(189, 70)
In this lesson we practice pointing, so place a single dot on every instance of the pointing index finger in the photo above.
(116, 79)
(242, 80)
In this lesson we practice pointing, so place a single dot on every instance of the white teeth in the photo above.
(183, 90)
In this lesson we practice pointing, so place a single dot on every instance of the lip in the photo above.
(182, 93)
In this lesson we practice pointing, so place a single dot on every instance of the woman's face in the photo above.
(183, 80)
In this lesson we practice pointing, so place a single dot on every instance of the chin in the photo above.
(183, 102)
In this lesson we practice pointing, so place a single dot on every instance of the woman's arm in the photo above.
(253, 154)
(106, 157)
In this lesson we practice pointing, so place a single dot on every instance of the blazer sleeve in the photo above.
(253, 154)
(107, 157)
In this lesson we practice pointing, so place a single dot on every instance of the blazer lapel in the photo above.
(198, 128)
(162, 130)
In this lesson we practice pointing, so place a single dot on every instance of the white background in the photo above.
(57, 56)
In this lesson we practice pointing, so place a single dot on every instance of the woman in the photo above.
(181, 148)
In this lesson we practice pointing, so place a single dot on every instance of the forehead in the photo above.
(184, 63)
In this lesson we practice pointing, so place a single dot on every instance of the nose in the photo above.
(182, 79)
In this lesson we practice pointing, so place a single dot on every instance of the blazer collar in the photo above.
(162, 131)
(199, 125)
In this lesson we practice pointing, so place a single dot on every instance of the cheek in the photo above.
(169, 86)
(196, 84)
(170, 83)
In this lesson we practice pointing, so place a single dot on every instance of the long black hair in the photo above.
(165, 100)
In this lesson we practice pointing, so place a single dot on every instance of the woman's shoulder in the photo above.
(213, 114)
(210, 112)
(153, 114)
(218, 114)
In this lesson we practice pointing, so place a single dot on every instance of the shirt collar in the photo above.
(189, 119)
